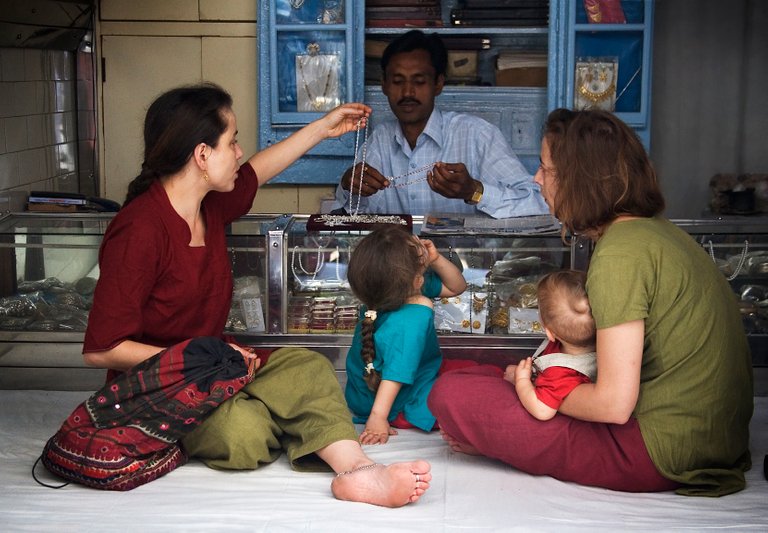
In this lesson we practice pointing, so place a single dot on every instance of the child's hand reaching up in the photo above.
(432, 253)
(377, 431)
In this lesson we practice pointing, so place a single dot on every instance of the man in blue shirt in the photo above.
(432, 161)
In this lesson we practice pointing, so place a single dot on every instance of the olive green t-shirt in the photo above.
(696, 395)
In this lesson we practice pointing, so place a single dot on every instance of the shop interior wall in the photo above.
(47, 131)
(709, 96)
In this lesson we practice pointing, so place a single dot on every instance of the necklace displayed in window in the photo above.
(595, 84)
(317, 87)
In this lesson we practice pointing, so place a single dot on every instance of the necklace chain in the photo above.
(597, 96)
(423, 168)
(318, 265)
(316, 101)
(362, 167)
(392, 179)
(742, 258)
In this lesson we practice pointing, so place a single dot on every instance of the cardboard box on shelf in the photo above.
(375, 47)
(521, 69)
(522, 77)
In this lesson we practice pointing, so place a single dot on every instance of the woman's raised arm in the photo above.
(269, 162)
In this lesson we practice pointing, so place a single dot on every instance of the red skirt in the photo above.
(476, 406)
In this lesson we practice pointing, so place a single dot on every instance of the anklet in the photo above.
(358, 469)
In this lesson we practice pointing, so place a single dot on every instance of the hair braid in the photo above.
(140, 183)
(371, 376)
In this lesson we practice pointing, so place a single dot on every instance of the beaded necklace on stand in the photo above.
(318, 264)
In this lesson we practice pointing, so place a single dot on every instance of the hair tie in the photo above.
(369, 368)
(371, 314)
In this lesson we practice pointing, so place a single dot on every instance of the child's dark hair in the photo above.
(564, 307)
(381, 272)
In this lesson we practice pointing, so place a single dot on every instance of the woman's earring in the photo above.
(205, 176)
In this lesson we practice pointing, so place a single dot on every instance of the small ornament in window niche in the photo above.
(595, 86)
(332, 13)
(317, 80)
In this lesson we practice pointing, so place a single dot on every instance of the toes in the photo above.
(421, 486)
(426, 477)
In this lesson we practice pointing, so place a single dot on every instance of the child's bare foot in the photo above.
(457, 446)
(389, 486)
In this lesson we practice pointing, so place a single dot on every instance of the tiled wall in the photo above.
(42, 105)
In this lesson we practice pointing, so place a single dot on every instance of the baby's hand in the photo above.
(524, 369)
(509, 373)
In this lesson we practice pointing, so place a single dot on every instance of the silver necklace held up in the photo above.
(392, 179)
(356, 210)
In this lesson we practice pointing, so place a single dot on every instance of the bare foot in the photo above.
(389, 486)
(457, 446)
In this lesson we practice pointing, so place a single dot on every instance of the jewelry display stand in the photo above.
(317, 80)
(595, 83)
(358, 222)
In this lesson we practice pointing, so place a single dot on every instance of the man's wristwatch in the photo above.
(477, 195)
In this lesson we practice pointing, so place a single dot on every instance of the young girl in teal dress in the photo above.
(394, 358)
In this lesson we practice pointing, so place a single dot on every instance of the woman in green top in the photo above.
(673, 397)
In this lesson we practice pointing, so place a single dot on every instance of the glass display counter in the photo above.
(48, 271)
(739, 248)
(496, 320)
(290, 288)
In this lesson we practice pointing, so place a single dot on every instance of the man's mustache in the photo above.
(406, 101)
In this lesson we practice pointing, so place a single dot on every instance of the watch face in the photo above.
(477, 194)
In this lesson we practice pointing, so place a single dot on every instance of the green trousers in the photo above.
(294, 404)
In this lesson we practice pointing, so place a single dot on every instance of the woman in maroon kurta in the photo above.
(165, 276)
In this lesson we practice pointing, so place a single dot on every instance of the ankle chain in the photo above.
(358, 469)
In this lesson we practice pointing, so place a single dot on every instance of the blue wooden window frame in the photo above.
(572, 36)
(325, 163)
